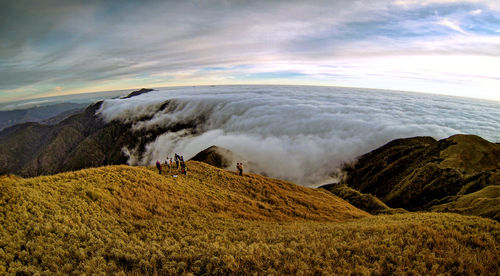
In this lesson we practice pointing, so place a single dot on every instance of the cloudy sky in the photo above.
(52, 48)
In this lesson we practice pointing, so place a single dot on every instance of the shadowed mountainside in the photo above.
(80, 141)
(484, 202)
(216, 156)
(418, 173)
(132, 220)
(365, 202)
(49, 114)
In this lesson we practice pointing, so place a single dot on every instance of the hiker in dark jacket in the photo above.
(158, 166)
(176, 157)
(183, 168)
(239, 166)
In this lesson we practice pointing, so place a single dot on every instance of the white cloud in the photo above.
(491, 4)
(476, 12)
(452, 25)
(299, 133)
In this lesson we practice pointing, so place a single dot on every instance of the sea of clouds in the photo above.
(299, 133)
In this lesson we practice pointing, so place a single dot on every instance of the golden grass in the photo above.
(484, 202)
(122, 219)
(471, 154)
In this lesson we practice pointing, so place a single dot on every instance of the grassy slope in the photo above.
(130, 219)
(484, 202)
(418, 173)
(366, 202)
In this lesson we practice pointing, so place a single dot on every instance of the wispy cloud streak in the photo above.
(111, 45)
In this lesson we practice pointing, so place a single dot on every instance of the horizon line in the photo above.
(248, 84)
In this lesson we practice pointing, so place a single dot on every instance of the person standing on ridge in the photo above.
(176, 157)
(167, 163)
(239, 166)
(183, 167)
(158, 166)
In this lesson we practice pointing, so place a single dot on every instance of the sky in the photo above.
(51, 48)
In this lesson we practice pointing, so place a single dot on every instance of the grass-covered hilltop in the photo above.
(459, 174)
(131, 220)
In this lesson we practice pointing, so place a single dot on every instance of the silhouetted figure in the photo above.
(158, 166)
(239, 166)
(176, 158)
(183, 167)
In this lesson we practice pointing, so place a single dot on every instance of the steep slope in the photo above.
(80, 141)
(417, 173)
(121, 219)
(33, 149)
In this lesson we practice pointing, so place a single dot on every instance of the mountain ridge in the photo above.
(80, 141)
(421, 172)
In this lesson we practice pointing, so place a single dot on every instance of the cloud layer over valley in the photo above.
(299, 133)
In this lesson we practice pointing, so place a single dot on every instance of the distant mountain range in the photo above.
(49, 114)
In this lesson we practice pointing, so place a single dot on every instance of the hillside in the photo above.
(133, 220)
(418, 173)
(80, 141)
(365, 202)
(484, 202)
